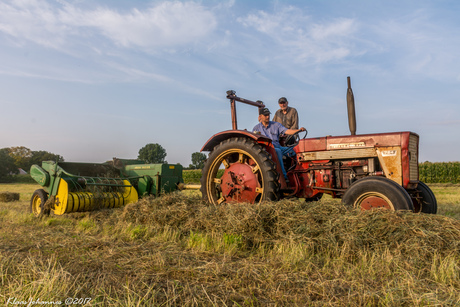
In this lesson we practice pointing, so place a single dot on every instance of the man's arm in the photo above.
(256, 129)
(294, 131)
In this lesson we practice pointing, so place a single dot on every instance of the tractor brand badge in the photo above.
(388, 153)
(347, 145)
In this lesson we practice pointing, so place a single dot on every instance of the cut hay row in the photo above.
(177, 251)
(322, 225)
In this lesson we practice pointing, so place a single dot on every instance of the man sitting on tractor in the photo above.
(273, 130)
(286, 115)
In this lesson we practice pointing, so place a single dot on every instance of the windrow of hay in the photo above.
(323, 225)
(176, 250)
(8, 197)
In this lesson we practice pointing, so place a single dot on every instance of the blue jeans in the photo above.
(284, 151)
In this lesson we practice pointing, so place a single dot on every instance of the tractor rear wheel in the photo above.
(37, 202)
(377, 192)
(425, 201)
(239, 170)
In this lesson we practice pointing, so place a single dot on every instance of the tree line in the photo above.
(14, 158)
(155, 153)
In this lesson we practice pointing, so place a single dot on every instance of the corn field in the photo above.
(439, 172)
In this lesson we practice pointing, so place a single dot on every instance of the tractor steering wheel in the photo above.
(293, 139)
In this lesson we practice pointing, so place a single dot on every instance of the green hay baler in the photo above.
(75, 187)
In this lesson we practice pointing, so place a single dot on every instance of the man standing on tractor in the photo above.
(273, 130)
(286, 115)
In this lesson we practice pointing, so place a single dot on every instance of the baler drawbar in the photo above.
(76, 187)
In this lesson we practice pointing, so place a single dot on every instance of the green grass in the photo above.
(448, 197)
(177, 251)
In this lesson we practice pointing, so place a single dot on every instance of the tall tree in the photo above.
(152, 153)
(24, 157)
(21, 156)
(198, 159)
(7, 166)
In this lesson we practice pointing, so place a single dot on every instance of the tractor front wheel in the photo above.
(37, 202)
(424, 199)
(239, 170)
(377, 192)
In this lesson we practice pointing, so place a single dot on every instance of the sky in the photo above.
(91, 79)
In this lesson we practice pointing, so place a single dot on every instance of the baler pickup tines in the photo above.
(107, 184)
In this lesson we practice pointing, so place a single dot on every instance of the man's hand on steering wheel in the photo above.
(294, 131)
(293, 138)
(302, 129)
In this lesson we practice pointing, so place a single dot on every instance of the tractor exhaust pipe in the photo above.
(351, 109)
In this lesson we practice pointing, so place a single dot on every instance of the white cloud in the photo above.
(166, 24)
(32, 20)
(420, 45)
(337, 29)
(296, 35)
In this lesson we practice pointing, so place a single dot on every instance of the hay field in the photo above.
(176, 251)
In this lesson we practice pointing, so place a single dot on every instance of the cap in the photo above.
(282, 99)
(264, 111)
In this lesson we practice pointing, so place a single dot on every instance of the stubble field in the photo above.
(177, 251)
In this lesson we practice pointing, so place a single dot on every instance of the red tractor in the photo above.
(366, 171)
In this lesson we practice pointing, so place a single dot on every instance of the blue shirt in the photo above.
(273, 131)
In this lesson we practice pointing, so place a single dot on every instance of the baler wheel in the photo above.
(425, 199)
(37, 202)
(377, 192)
(247, 173)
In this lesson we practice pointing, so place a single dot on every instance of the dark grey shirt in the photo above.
(289, 120)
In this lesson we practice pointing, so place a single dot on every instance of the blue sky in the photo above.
(91, 80)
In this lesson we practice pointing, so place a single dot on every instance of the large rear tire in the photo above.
(37, 202)
(247, 173)
(377, 192)
(424, 199)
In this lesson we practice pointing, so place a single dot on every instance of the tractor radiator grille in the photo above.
(413, 157)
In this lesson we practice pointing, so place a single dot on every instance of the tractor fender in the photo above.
(221, 136)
